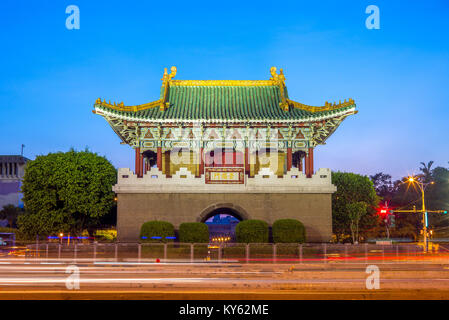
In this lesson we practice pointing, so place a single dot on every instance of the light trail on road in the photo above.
(118, 278)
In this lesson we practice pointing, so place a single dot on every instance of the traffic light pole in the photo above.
(422, 186)
(424, 219)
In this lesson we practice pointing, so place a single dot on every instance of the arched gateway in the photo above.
(228, 208)
(210, 144)
(222, 219)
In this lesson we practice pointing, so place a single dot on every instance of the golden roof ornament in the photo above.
(165, 81)
(276, 79)
(279, 79)
(167, 77)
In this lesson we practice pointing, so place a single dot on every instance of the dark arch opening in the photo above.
(222, 221)
(223, 211)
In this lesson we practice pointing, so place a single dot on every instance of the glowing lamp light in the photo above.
(411, 179)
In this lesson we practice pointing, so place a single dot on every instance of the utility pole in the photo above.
(424, 212)
(424, 219)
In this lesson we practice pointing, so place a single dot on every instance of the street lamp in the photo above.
(422, 186)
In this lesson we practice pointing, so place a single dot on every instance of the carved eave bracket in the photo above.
(129, 134)
(320, 132)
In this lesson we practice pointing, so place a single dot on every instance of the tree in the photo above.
(356, 210)
(438, 197)
(403, 195)
(68, 192)
(352, 188)
(10, 213)
(406, 196)
(426, 171)
(383, 185)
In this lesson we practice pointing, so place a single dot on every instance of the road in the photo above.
(21, 279)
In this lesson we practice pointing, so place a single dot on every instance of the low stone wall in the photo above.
(314, 210)
(185, 198)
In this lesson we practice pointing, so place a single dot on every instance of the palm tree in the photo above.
(426, 171)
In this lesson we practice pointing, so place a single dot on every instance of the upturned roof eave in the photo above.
(349, 110)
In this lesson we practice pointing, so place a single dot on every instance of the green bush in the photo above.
(193, 232)
(255, 231)
(288, 231)
(161, 229)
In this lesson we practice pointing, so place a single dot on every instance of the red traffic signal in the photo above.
(384, 211)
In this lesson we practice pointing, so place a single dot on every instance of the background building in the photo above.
(222, 225)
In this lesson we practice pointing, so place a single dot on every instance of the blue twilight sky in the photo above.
(398, 75)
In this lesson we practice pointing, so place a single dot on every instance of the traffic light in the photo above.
(382, 212)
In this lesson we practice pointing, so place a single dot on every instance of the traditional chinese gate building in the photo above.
(205, 145)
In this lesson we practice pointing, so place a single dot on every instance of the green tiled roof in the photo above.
(223, 103)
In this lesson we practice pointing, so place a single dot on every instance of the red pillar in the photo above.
(289, 158)
(159, 158)
(137, 158)
(201, 167)
(247, 161)
(141, 165)
(307, 165)
(146, 165)
(311, 161)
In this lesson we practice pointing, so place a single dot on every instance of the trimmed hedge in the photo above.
(161, 229)
(288, 231)
(194, 232)
(252, 231)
